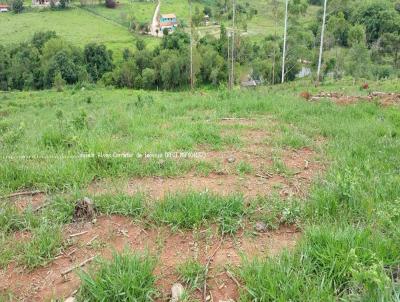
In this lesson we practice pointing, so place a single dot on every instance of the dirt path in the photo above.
(154, 23)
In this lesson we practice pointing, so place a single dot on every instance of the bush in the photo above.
(110, 3)
(188, 211)
(63, 4)
(127, 277)
(17, 6)
(59, 82)
(98, 60)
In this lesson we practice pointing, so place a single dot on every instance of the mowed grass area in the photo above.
(125, 11)
(349, 247)
(75, 25)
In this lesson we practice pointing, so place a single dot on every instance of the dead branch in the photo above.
(77, 266)
(207, 268)
(236, 119)
(266, 176)
(232, 277)
(32, 193)
(91, 240)
(71, 252)
(78, 234)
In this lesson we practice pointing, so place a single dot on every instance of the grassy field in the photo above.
(95, 23)
(126, 11)
(347, 211)
(75, 25)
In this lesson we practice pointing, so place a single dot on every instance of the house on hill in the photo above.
(4, 8)
(44, 3)
(168, 21)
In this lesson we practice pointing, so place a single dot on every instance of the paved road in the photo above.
(154, 23)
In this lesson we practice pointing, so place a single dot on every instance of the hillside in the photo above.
(96, 23)
(218, 193)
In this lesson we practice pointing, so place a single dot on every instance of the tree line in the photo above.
(362, 41)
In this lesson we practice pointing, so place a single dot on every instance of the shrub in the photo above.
(193, 210)
(17, 6)
(59, 82)
(127, 277)
(110, 3)
(63, 4)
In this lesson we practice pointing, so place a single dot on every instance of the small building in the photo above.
(4, 8)
(168, 21)
(45, 3)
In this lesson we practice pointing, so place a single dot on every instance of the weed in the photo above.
(120, 204)
(243, 168)
(192, 273)
(275, 212)
(193, 210)
(13, 220)
(126, 277)
(45, 244)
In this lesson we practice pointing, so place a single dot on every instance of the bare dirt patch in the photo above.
(247, 169)
(115, 233)
(23, 202)
(228, 177)
(383, 98)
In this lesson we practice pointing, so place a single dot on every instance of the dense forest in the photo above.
(362, 40)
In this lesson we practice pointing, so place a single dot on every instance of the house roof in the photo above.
(4, 5)
(168, 16)
(168, 24)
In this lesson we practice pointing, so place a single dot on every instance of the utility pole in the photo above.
(233, 44)
(275, 11)
(228, 59)
(284, 42)
(321, 49)
(191, 47)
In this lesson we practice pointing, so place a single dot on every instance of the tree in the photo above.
(140, 44)
(339, 27)
(359, 61)
(64, 4)
(149, 77)
(63, 64)
(378, 17)
(207, 11)
(110, 3)
(59, 82)
(17, 6)
(357, 35)
(40, 38)
(4, 68)
(390, 44)
(25, 68)
(98, 60)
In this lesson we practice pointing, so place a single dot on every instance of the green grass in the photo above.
(41, 248)
(132, 206)
(126, 277)
(275, 212)
(125, 12)
(192, 273)
(349, 246)
(192, 210)
(74, 25)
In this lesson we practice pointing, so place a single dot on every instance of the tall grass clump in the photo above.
(45, 244)
(120, 204)
(192, 210)
(126, 277)
(349, 247)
